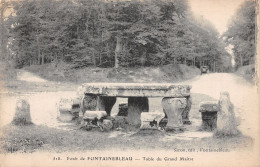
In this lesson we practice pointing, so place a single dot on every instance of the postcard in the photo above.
(129, 83)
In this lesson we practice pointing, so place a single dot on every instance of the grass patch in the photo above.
(64, 73)
(248, 72)
(31, 138)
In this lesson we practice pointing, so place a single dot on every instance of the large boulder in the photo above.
(226, 122)
(22, 113)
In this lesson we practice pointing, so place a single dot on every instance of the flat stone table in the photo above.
(176, 100)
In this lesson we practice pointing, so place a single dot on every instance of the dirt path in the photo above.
(23, 75)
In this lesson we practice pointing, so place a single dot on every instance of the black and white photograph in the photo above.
(129, 83)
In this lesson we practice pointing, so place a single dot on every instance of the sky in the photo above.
(218, 12)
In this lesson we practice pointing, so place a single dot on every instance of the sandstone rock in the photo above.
(163, 123)
(75, 108)
(135, 89)
(151, 120)
(120, 122)
(226, 123)
(106, 125)
(65, 104)
(105, 103)
(22, 113)
(102, 96)
(136, 105)
(209, 106)
(95, 119)
(64, 108)
(186, 112)
(94, 114)
(173, 108)
(89, 102)
(209, 111)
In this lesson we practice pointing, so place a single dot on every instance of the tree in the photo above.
(241, 34)
(112, 34)
(3, 30)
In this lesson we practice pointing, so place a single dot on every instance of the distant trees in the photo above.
(241, 34)
(3, 29)
(112, 34)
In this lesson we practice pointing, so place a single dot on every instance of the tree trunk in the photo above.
(118, 50)
(100, 58)
(241, 60)
(214, 66)
(93, 58)
(214, 63)
(77, 32)
(38, 51)
(43, 59)
(3, 32)
(174, 60)
(39, 59)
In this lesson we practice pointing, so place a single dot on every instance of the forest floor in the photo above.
(62, 78)
(48, 134)
(64, 73)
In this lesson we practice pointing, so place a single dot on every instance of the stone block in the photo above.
(151, 120)
(226, 123)
(120, 122)
(65, 105)
(209, 106)
(173, 108)
(163, 123)
(136, 105)
(186, 112)
(209, 115)
(106, 125)
(22, 113)
(94, 114)
(96, 119)
(135, 89)
(66, 112)
(88, 102)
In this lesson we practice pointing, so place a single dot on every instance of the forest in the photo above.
(113, 34)
(241, 34)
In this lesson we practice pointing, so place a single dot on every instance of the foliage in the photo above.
(106, 33)
(241, 34)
